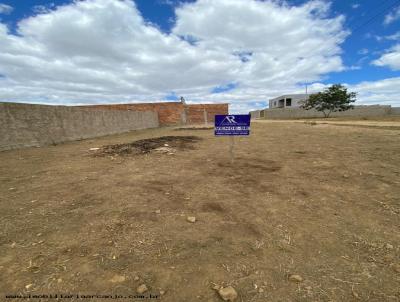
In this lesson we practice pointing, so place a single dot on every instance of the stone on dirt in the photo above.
(396, 267)
(164, 150)
(228, 293)
(355, 294)
(158, 211)
(389, 246)
(191, 219)
(117, 279)
(136, 278)
(141, 289)
(94, 149)
(295, 278)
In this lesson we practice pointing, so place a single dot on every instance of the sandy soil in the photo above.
(319, 201)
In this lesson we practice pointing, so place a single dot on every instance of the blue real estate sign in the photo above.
(237, 124)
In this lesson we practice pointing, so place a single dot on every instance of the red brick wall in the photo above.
(195, 113)
(171, 113)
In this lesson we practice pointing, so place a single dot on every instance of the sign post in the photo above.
(232, 145)
(232, 125)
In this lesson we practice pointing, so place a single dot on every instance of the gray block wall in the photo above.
(255, 114)
(26, 125)
(395, 111)
(358, 111)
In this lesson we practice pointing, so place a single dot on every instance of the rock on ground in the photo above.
(141, 289)
(191, 219)
(295, 278)
(228, 293)
(117, 279)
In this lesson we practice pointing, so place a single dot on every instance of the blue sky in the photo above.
(237, 51)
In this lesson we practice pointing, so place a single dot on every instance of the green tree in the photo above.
(332, 99)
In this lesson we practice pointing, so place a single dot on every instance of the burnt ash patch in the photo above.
(194, 128)
(144, 146)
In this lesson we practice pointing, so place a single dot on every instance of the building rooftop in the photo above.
(294, 96)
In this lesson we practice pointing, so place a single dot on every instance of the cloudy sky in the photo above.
(238, 51)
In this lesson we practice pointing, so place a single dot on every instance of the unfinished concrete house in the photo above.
(288, 100)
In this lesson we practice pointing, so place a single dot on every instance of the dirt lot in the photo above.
(319, 201)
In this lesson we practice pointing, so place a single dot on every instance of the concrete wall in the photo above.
(255, 114)
(25, 125)
(171, 113)
(358, 111)
(395, 111)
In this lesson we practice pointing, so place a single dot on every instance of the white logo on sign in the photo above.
(230, 119)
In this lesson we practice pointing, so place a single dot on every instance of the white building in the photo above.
(287, 100)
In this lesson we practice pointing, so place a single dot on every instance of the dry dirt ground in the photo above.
(316, 200)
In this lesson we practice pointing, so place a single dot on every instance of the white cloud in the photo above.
(97, 51)
(355, 5)
(5, 9)
(384, 92)
(395, 36)
(287, 43)
(390, 59)
(102, 48)
(354, 67)
(392, 16)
